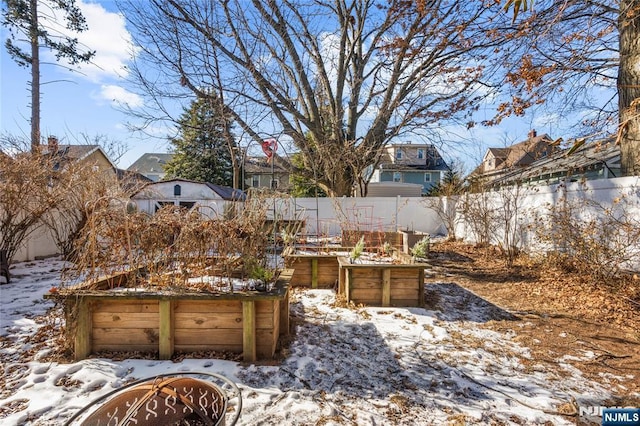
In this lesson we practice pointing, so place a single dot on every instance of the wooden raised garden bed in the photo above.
(121, 319)
(315, 267)
(382, 284)
(372, 238)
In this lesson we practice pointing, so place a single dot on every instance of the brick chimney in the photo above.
(52, 142)
(532, 133)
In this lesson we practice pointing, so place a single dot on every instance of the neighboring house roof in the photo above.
(569, 162)
(515, 156)
(130, 180)
(225, 192)
(76, 152)
(151, 163)
(432, 160)
(260, 165)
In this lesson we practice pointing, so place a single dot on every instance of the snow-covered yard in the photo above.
(344, 365)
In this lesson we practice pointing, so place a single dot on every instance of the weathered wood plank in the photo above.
(314, 273)
(116, 347)
(249, 331)
(404, 294)
(166, 329)
(284, 316)
(118, 306)
(212, 320)
(215, 346)
(125, 336)
(369, 294)
(125, 319)
(83, 338)
(386, 287)
(207, 306)
(275, 327)
(208, 337)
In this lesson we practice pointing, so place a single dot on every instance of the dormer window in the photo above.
(399, 154)
(420, 153)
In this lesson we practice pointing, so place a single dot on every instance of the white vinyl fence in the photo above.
(508, 217)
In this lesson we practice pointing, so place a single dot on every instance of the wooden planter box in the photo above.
(410, 238)
(247, 322)
(350, 238)
(314, 270)
(382, 284)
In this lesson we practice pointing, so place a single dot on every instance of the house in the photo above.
(498, 162)
(410, 163)
(586, 161)
(95, 161)
(89, 154)
(211, 200)
(151, 165)
(258, 172)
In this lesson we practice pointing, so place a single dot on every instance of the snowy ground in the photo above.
(360, 366)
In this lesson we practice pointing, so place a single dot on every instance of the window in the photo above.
(177, 190)
(397, 177)
(255, 181)
(399, 154)
(161, 204)
(187, 204)
(427, 177)
(420, 153)
(274, 183)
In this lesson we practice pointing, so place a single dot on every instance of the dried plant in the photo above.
(173, 246)
(596, 238)
(421, 248)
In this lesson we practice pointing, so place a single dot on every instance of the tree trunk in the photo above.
(629, 87)
(35, 78)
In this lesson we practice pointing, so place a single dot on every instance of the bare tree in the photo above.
(338, 78)
(571, 55)
(29, 21)
(30, 188)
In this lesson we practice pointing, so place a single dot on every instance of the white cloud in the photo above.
(120, 96)
(107, 35)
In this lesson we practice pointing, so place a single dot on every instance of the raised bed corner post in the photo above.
(386, 287)
(82, 341)
(314, 273)
(249, 331)
(421, 301)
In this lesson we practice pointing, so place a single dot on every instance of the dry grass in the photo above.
(557, 312)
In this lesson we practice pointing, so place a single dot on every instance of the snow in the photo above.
(364, 366)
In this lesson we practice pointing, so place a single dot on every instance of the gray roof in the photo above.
(568, 162)
(225, 192)
(150, 163)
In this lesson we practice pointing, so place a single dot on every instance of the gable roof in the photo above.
(152, 162)
(515, 156)
(77, 152)
(225, 192)
(261, 165)
(569, 162)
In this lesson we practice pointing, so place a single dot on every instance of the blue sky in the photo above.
(85, 103)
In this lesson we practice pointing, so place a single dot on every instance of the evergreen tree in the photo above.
(452, 183)
(202, 151)
(302, 186)
(22, 19)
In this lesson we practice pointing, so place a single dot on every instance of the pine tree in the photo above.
(202, 151)
(23, 21)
